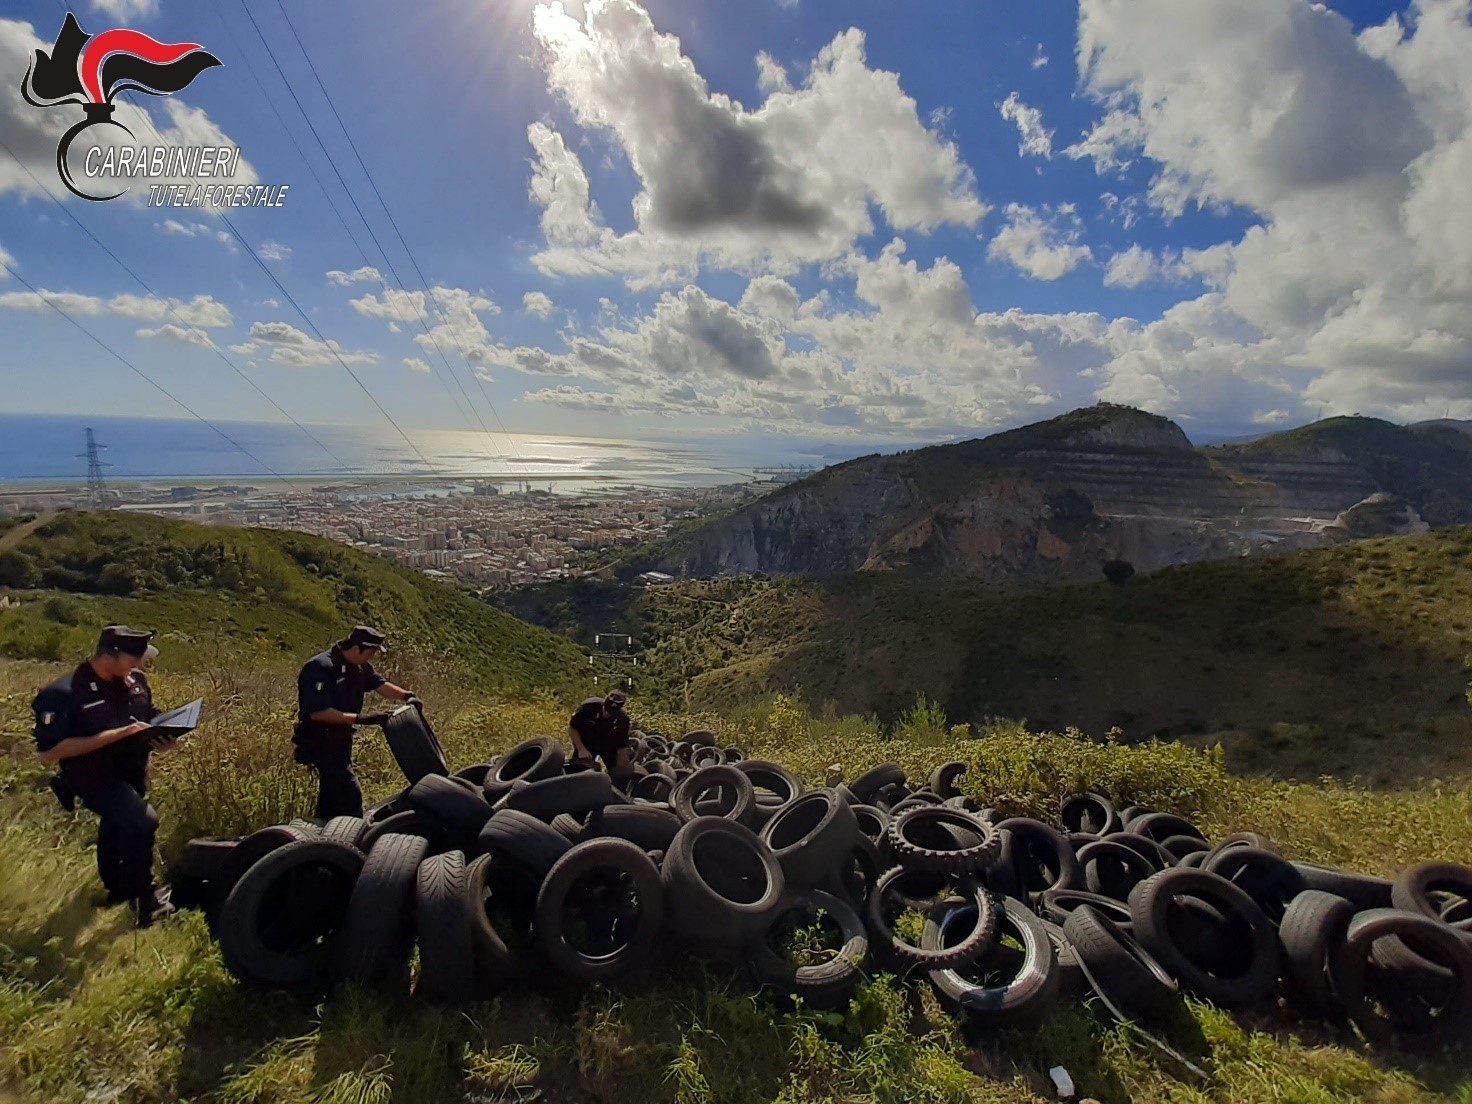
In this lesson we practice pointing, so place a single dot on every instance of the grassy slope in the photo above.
(257, 597)
(1345, 661)
(92, 1010)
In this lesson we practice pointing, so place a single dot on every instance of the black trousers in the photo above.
(338, 792)
(125, 837)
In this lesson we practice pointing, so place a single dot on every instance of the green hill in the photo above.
(226, 596)
(1346, 660)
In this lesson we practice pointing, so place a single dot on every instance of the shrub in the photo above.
(18, 570)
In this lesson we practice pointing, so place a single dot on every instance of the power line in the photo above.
(325, 343)
(399, 233)
(172, 310)
(144, 376)
(316, 177)
(388, 261)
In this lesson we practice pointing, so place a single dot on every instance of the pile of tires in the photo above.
(528, 865)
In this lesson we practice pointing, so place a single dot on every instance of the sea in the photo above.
(46, 450)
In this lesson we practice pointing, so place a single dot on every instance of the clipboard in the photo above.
(176, 722)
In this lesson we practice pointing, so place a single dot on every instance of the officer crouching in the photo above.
(89, 722)
(330, 693)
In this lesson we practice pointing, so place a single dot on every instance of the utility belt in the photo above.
(309, 736)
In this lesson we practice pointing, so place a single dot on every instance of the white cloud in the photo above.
(1036, 140)
(170, 332)
(1109, 141)
(417, 364)
(537, 304)
(126, 11)
(185, 229)
(203, 311)
(1351, 151)
(788, 184)
(7, 262)
(273, 251)
(43, 300)
(1039, 59)
(291, 347)
(1137, 266)
(245, 348)
(365, 275)
(770, 75)
(1045, 244)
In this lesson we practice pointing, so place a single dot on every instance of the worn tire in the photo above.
(413, 744)
(1161, 826)
(1312, 935)
(1361, 890)
(1268, 879)
(866, 786)
(722, 883)
(377, 936)
(943, 841)
(345, 829)
(1040, 856)
(1413, 889)
(577, 794)
(1089, 812)
(1182, 846)
(255, 847)
(772, 783)
(640, 875)
(810, 836)
(1026, 996)
(461, 809)
(1111, 869)
(943, 779)
(1132, 984)
(529, 761)
(826, 985)
(522, 840)
(645, 826)
(1151, 905)
(1059, 904)
(1410, 1023)
(446, 955)
(276, 925)
(407, 823)
(736, 801)
(966, 950)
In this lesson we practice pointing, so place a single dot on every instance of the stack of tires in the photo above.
(530, 863)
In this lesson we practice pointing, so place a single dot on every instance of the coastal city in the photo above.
(479, 534)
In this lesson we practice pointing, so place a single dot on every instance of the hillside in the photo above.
(1055, 500)
(252, 597)
(1429, 465)
(1346, 660)
(91, 1010)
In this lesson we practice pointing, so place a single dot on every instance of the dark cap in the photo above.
(364, 637)
(616, 697)
(121, 640)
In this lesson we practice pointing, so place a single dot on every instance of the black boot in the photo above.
(151, 906)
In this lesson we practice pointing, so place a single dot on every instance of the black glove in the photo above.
(374, 718)
(411, 698)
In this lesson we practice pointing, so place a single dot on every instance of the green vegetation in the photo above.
(1345, 661)
(90, 1009)
(257, 598)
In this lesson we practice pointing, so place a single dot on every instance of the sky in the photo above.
(827, 220)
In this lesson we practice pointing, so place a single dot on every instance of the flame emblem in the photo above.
(92, 69)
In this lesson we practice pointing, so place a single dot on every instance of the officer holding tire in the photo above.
(92, 723)
(330, 693)
(601, 728)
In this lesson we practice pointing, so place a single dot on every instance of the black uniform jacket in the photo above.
(328, 681)
(82, 704)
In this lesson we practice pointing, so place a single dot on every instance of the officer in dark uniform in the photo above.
(601, 727)
(330, 692)
(90, 723)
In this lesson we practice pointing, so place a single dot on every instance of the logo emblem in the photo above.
(92, 69)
